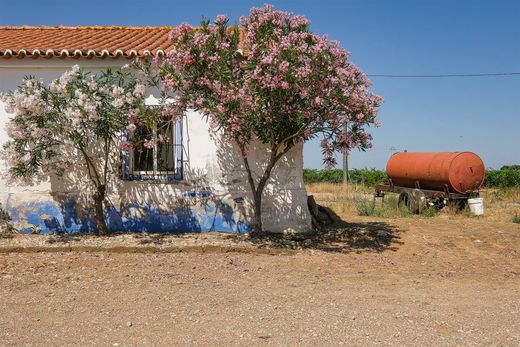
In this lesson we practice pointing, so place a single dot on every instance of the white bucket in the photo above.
(476, 206)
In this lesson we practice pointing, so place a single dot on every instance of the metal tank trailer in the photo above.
(435, 179)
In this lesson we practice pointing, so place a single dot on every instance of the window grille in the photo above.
(160, 159)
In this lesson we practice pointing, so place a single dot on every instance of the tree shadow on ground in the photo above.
(338, 236)
(64, 238)
(158, 239)
(143, 238)
(332, 234)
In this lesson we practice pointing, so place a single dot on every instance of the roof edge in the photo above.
(81, 27)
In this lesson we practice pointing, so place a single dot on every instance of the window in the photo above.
(157, 153)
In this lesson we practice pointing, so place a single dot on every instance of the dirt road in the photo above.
(437, 282)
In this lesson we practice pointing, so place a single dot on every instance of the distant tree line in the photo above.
(368, 177)
(506, 177)
(510, 167)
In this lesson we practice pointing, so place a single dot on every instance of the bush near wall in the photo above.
(504, 178)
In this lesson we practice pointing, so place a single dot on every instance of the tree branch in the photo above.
(107, 154)
(96, 180)
(289, 138)
(249, 175)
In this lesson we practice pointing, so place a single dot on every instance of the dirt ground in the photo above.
(410, 281)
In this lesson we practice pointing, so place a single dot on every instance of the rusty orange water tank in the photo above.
(461, 172)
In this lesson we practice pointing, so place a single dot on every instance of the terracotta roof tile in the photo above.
(83, 41)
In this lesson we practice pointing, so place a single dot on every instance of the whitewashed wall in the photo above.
(214, 190)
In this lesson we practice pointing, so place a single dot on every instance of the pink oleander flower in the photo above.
(131, 128)
(149, 144)
(163, 138)
(291, 79)
(50, 123)
(221, 19)
(140, 90)
(125, 146)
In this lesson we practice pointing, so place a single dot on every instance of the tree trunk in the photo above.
(258, 190)
(99, 198)
(257, 220)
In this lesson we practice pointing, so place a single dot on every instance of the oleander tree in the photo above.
(77, 115)
(268, 79)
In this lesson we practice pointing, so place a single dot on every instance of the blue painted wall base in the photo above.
(68, 216)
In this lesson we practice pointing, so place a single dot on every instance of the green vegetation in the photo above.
(389, 209)
(504, 178)
(508, 176)
(510, 167)
(516, 219)
(367, 177)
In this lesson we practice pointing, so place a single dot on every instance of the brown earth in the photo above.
(438, 281)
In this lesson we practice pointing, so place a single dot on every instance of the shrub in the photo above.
(429, 211)
(367, 177)
(516, 218)
(389, 209)
(505, 178)
(77, 114)
(365, 207)
(291, 86)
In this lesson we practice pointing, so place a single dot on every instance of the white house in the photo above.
(197, 183)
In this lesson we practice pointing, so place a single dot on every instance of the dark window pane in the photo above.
(165, 148)
(143, 157)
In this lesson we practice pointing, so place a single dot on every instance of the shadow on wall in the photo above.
(214, 198)
(284, 201)
(146, 206)
(137, 206)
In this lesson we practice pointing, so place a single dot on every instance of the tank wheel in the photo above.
(407, 200)
(414, 201)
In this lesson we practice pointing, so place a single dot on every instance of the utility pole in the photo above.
(346, 177)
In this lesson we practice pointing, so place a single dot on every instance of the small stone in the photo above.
(129, 324)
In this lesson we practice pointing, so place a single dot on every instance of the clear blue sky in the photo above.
(384, 37)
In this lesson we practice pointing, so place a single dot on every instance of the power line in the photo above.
(449, 75)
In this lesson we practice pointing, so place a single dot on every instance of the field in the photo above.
(501, 204)
(438, 279)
